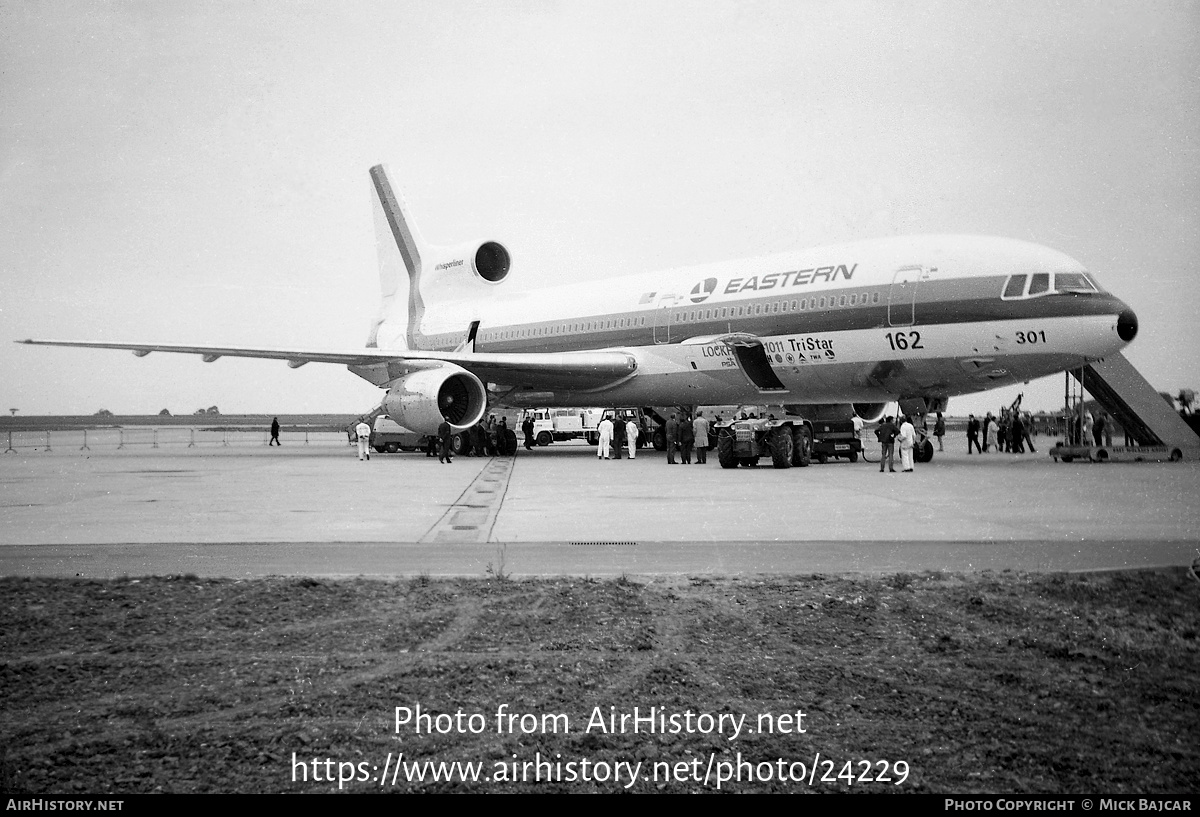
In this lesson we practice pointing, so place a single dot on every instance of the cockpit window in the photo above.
(1068, 281)
(1042, 283)
(1015, 287)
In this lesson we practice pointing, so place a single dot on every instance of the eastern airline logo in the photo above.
(773, 280)
(702, 290)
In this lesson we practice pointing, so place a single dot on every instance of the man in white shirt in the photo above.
(908, 439)
(364, 440)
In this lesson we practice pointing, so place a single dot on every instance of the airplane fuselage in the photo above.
(919, 316)
(907, 318)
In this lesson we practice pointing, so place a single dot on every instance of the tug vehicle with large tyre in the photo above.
(743, 442)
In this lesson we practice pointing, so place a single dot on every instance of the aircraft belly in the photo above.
(865, 365)
(873, 364)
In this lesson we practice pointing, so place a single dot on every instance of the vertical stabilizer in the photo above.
(401, 252)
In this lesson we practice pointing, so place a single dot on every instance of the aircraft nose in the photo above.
(1127, 325)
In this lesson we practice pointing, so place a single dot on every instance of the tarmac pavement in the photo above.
(318, 510)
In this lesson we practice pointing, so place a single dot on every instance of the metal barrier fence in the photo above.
(138, 438)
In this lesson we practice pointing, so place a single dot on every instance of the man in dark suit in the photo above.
(527, 429)
(973, 434)
(444, 441)
(687, 439)
(887, 433)
(672, 438)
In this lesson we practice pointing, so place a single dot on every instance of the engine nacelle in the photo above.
(422, 400)
(870, 411)
(488, 263)
(492, 262)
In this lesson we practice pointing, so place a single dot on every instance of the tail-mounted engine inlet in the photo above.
(492, 262)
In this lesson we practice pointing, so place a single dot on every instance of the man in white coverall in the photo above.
(907, 438)
(605, 430)
(631, 436)
(364, 439)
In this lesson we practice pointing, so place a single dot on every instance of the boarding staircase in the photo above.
(1136, 406)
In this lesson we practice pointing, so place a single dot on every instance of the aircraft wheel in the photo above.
(781, 447)
(725, 454)
(392, 448)
(379, 449)
(544, 438)
(923, 452)
(1176, 455)
(460, 445)
(1068, 458)
(660, 440)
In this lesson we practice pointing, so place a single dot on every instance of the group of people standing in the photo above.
(1009, 432)
(1086, 430)
(615, 432)
(888, 435)
(488, 438)
(687, 434)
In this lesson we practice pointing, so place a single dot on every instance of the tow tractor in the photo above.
(787, 442)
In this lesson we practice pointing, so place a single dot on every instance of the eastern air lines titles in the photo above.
(772, 280)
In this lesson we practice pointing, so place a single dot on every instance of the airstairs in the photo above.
(1153, 429)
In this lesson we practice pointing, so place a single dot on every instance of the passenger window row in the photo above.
(720, 313)
(776, 307)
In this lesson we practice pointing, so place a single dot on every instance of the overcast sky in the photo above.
(196, 172)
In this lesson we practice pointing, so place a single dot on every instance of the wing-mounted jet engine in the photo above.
(423, 399)
(869, 412)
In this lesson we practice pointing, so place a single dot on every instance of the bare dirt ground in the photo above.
(996, 683)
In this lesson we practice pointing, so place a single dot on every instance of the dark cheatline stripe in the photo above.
(950, 302)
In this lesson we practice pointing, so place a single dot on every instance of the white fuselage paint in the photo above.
(877, 320)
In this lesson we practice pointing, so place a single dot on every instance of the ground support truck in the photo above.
(787, 442)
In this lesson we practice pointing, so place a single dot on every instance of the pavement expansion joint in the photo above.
(471, 517)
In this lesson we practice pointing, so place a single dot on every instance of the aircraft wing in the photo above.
(549, 370)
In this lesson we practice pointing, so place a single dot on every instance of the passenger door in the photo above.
(663, 314)
(902, 298)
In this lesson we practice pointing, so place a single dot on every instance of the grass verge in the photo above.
(983, 683)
